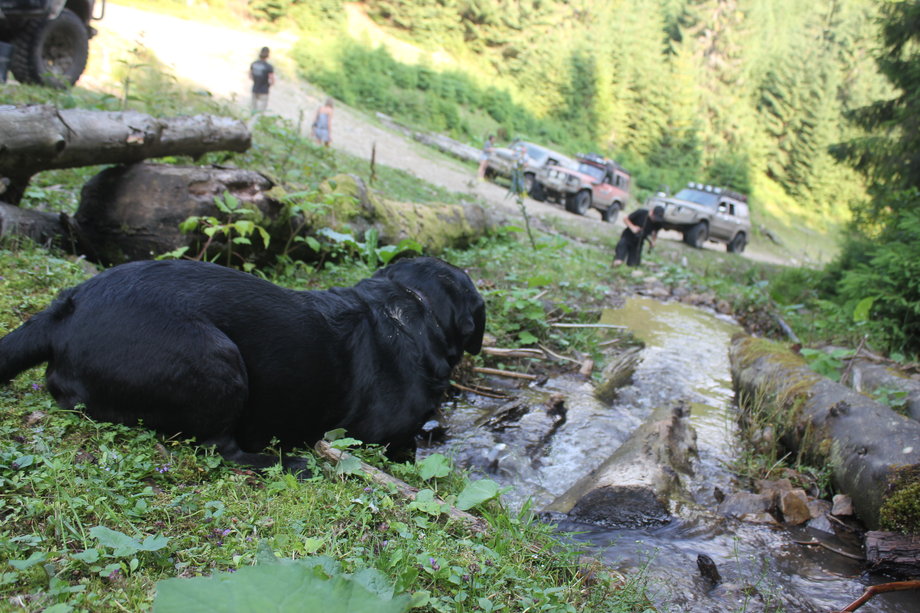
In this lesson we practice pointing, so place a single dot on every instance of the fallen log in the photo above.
(42, 137)
(634, 486)
(893, 552)
(134, 212)
(40, 226)
(866, 445)
(868, 376)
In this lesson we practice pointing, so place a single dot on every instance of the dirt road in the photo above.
(217, 58)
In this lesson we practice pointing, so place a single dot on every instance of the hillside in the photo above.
(195, 54)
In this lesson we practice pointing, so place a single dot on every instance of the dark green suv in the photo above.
(49, 38)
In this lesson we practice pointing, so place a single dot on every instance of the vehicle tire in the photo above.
(578, 203)
(697, 235)
(737, 244)
(537, 192)
(51, 52)
(611, 213)
(528, 182)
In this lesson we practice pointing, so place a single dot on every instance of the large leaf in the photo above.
(293, 587)
(477, 492)
(435, 465)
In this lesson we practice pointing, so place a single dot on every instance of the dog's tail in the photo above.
(30, 344)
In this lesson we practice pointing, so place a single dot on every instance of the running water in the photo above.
(538, 452)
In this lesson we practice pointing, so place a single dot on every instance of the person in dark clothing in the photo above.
(263, 76)
(639, 225)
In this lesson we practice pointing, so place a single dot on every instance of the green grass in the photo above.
(64, 476)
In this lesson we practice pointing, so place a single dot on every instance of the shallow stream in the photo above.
(538, 454)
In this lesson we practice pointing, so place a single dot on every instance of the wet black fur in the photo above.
(235, 361)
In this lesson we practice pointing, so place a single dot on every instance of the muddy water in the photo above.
(537, 455)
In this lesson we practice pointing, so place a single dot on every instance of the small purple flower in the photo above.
(36, 386)
(163, 469)
(434, 564)
(368, 489)
(225, 532)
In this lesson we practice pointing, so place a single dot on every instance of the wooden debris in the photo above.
(839, 552)
(405, 490)
(883, 588)
(893, 552)
(504, 373)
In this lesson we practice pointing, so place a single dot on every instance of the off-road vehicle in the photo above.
(703, 212)
(50, 38)
(503, 160)
(592, 181)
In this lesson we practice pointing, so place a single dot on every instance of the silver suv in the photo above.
(703, 212)
(502, 160)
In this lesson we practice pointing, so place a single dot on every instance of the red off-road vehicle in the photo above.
(591, 182)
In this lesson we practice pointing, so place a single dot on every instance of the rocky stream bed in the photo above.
(642, 479)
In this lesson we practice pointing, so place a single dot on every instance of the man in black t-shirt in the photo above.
(639, 225)
(263, 76)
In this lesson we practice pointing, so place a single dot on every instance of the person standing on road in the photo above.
(639, 225)
(322, 123)
(484, 156)
(262, 75)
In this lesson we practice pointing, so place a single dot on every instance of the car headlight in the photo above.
(571, 180)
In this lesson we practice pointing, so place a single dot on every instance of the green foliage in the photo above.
(827, 363)
(100, 516)
(901, 510)
(887, 273)
(282, 585)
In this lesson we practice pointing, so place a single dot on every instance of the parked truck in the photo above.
(46, 42)
(591, 181)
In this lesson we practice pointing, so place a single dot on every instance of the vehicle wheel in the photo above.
(611, 213)
(537, 192)
(737, 244)
(51, 52)
(697, 235)
(578, 203)
(528, 182)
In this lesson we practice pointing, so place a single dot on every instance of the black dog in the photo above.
(235, 361)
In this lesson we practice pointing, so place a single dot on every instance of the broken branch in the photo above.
(405, 490)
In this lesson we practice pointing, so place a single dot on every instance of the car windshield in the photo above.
(694, 195)
(592, 170)
(537, 154)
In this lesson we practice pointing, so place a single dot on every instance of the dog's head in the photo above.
(450, 294)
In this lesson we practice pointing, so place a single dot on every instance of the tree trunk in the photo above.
(864, 443)
(41, 227)
(634, 486)
(36, 138)
(893, 552)
(134, 212)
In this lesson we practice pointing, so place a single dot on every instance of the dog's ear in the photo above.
(474, 326)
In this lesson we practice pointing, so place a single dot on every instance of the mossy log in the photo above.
(868, 376)
(635, 485)
(134, 211)
(435, 226)
(867, 446)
